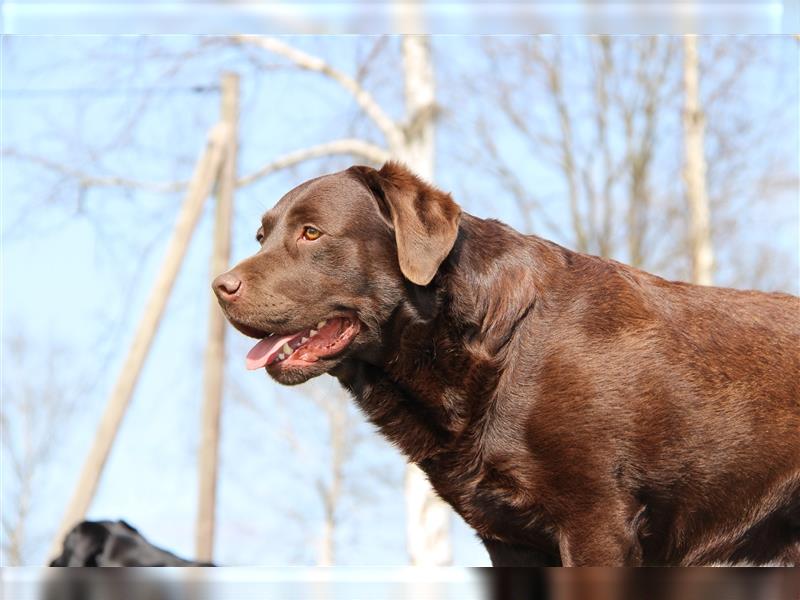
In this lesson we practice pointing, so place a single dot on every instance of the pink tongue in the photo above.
(263, 351)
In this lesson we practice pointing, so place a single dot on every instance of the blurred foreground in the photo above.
(349, 583)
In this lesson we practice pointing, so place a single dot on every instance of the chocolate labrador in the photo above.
(573, 410)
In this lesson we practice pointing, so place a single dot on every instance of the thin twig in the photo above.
(85, 180)
(309, 62)
(352, 146)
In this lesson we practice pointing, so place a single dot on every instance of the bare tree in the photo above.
(342, 440)
(747, 93)
(602, 150)
(593, 146)
(702, 253)
(37, 404)
(341, 479)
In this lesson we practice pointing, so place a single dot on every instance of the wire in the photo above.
(194, 89)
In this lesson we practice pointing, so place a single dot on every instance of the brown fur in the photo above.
(572, 409)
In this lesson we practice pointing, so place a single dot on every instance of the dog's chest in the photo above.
(497, 504)
(456, 391)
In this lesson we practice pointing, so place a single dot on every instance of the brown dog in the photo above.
(572, 409)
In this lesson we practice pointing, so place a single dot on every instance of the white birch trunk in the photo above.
(695, 168)
(331, 494)
(427, 516)
(326, 553)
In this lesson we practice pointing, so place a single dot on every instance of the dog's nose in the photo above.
(226, 285)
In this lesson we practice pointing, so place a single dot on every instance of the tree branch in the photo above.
(367, 151)
(85, 180)
(308, 62)
(353, 146)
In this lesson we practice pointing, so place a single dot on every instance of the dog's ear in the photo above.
(425, 219)
(127, 525)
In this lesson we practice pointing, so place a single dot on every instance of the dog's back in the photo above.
(699, 387)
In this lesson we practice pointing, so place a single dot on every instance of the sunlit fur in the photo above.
(573, 410)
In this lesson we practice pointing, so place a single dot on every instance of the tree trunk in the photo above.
(427, 516)
(215, 346)
(335, 407)
(326, 552)
(695, 168)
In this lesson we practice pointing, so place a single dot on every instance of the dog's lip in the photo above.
(327, 338)
(249, 330)
(257, 333)
(294, 362)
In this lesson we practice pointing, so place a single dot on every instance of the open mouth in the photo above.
(327, 338)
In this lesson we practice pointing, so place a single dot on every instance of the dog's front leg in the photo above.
(599, 542)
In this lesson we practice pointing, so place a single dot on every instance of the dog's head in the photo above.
(337, 255)
(88, 543)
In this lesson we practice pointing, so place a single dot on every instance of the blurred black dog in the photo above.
(114, 544)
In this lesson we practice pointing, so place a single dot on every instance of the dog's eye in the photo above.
(311, 233)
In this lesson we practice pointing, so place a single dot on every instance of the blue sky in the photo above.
(337, 16)
(77, 270)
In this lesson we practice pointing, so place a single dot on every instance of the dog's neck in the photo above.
(449, 341)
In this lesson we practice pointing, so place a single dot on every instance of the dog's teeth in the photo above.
(321, 324)
(313, 332)
(281, 356)
(287, 349)
(303, 340)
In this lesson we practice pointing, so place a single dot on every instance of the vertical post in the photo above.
(695, 168)
(215, 347)
(199, 188)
